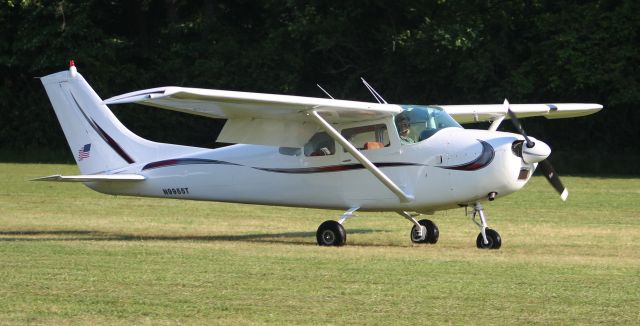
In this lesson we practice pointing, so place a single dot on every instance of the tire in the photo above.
(433, 233)
(493, 237)
(331, 233)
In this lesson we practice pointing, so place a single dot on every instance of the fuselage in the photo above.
(452, 168)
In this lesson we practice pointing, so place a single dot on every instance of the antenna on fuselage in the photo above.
(320, 87)
(373, 92)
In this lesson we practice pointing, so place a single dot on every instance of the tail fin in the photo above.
(98, 140)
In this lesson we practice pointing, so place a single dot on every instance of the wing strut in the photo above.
(405, 198)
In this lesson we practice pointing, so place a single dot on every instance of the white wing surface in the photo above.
(489, 112)
(284, 120)
(256, 118)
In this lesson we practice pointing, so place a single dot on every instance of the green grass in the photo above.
(72, 256)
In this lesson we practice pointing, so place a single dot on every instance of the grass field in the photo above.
(72, 256)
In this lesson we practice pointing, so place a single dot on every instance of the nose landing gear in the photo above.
(488, 238)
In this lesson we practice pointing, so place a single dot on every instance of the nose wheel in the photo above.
(493, 240)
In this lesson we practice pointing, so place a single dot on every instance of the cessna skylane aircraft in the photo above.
(311, 152)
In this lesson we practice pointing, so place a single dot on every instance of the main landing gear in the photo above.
(423, 231)
(488, 238)
(332, 233)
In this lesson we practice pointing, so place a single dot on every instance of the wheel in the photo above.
(432, 232)
(493, 238)
(331, 233)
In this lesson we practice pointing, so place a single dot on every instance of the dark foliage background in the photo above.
(426, 52)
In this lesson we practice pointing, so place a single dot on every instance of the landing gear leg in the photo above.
(488, 238)
(423, 231)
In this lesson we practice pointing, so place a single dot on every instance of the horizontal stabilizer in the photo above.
(92, 178)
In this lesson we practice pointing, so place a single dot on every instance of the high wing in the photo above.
(492, 112)
(256, 118)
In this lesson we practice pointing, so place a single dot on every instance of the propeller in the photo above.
(553, 178)
(537, 152)
(518, 125)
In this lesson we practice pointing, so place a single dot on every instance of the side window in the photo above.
(320, 144)
(367, 137)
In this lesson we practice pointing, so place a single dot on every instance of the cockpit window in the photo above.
(417, 123)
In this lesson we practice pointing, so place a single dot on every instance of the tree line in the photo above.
(414, 52)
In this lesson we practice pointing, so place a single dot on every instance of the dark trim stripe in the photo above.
(552, 107)
(333, 168)
(484, 159)
(320, 169)
(183, 161)
(114, 145)
(110, 141)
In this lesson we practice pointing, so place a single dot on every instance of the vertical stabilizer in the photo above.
(98, 140)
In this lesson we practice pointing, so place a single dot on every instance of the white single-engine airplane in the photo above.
(311, 152)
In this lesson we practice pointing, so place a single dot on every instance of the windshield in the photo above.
(417, 123)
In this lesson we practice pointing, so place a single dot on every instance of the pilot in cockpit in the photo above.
(403, 125)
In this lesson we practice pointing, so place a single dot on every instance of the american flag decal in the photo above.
(84, 152)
